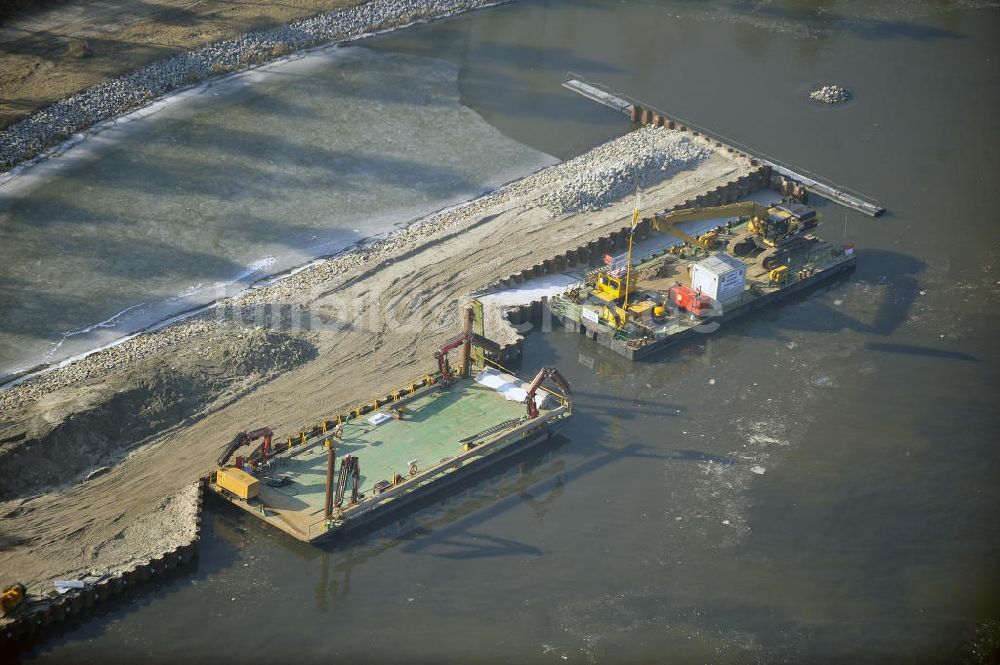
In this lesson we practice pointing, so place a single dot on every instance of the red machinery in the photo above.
(690, 300)
(465, 340)
(350, 470)
(547, 372)
(244, 439)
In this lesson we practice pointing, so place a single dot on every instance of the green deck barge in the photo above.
(446, 432)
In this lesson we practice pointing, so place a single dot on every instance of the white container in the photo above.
(720, 277)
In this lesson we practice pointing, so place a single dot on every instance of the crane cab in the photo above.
(610, 288)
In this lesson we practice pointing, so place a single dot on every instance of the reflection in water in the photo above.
(445, 525)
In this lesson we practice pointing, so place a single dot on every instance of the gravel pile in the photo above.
(642, 158)
(830, 94)
(59, 121)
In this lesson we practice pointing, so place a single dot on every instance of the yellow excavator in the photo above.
(667, 222)
(781, 222)
(768, 229)
(776, 234)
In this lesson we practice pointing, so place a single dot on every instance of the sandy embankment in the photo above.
(375, 316)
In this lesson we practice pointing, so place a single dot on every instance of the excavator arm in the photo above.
(471, 339)
(667, 223)
(243, 439)
(547, 372)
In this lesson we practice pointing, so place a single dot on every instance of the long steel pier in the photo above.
(640, 112)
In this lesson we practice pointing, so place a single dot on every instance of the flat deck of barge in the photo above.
(427, 448)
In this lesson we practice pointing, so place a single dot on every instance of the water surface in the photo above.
(816, 483)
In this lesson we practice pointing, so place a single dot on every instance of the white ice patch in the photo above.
(531, 291)
(509, 386)
(379, 418)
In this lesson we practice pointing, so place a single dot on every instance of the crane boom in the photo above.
(667, 222)
(244, 438)
(469, 339)
(547, 372)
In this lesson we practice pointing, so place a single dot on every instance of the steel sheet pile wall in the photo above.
(593, 252)
(36, 615)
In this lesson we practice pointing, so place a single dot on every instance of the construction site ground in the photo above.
(60, 48)
(382, 318)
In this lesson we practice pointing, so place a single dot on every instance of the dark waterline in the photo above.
(817, 483)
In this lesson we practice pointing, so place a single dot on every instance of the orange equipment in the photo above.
(11, 597)
(467, 340)
(547, 372)
(243, 439)
(690, 300)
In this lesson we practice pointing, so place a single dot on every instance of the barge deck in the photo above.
(404, 450)
(687, 328)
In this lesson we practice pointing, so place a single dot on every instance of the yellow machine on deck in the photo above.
(779, 275)
(11, 597)
(612, 289)
(782, 223)
(237, 481)
(770, 225)
(667, 223)
(617, 316)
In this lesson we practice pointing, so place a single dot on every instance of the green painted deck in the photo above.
(430, 432)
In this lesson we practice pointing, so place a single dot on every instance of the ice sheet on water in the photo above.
(178, 208)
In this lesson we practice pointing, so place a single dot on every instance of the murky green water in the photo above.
(817, 483)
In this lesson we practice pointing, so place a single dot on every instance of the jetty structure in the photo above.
(644, 114)
(394, 449)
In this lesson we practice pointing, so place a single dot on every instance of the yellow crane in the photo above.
(612, 289)
(667, 222)
(769, 228)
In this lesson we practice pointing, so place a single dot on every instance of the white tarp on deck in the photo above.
(509, 386)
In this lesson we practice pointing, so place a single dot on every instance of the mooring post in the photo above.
(331, 462)
(467, 346)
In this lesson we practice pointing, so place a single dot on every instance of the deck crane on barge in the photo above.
(466, 340)
(547, 372)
